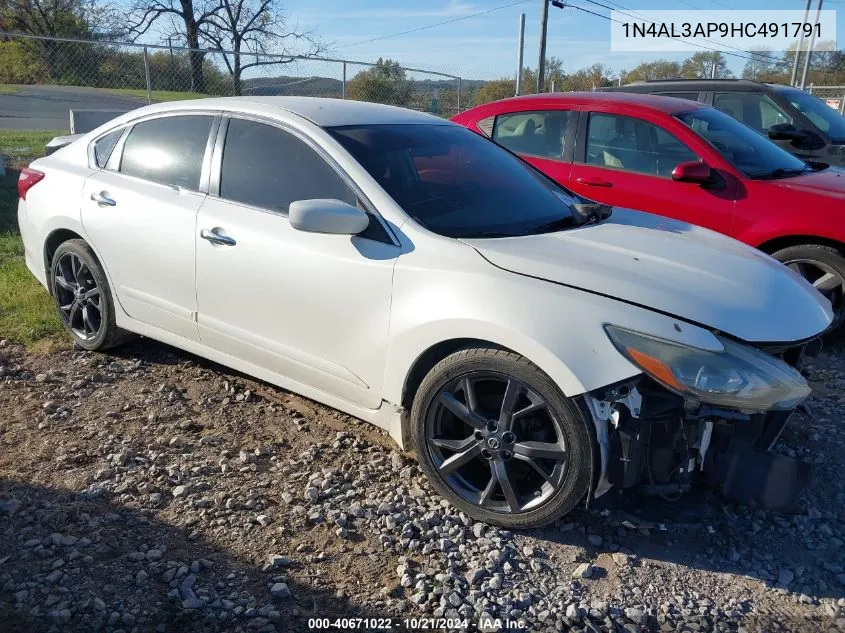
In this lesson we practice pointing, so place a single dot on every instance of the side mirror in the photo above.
(327, 216)
(786, 132)
(693, 171)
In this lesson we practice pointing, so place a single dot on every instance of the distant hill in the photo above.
(284, 85)
(293, 86)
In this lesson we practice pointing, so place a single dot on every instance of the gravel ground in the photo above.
(151, 491)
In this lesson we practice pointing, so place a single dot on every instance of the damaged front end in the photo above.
(701, 416)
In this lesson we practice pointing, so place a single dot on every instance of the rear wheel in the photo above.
(824, 267)
(498, 439)
(83, 297)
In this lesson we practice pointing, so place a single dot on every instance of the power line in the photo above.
(431, 26)
(754, 55)
(633, 14)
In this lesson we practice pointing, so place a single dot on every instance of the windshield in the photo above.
(747, 150)
(456, 183)
(822, 115)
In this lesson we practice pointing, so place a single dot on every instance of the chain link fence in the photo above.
(126, 75)
(155, 73)
(834, 96)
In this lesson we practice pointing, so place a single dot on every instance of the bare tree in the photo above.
(188, 19)
(250, 28)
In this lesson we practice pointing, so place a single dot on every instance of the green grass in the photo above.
(6, 89)
(155, 95)
(23, 146)
(27, 313)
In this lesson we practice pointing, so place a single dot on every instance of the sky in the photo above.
(485, 46)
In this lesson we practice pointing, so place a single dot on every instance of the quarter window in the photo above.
(629, 144)
(168, 150)
(104, 145)
(533, 133)
(264, 166)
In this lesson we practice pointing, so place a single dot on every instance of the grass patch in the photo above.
(6, 89)
(25, 145)
(27, 313)
(156, 95)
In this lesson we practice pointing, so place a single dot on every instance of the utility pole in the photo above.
(541, 63)
(810, 49)
(798, 49)
(544, 27)
(519, 54)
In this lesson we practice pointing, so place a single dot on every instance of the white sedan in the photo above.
(532, 348)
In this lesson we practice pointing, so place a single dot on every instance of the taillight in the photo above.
(28, 179)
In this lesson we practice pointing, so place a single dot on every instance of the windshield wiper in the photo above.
(582, 215)
(566, 222)
(780, 172)
(481, 234)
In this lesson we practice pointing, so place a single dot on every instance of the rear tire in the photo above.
(498, 439)
(824, 267)
(83, 297)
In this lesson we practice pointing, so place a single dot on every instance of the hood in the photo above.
(676, 268)
(829, 182)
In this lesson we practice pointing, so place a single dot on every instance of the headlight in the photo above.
(739, 377)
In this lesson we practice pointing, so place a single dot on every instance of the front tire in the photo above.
(83, 297)
(824, 267)
(498, 439)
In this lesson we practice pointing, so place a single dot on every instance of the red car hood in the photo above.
(829, 182)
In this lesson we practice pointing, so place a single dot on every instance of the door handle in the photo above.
(216, 238)
(103, 199)
(593, 181)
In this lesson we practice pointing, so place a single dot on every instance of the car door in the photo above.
(627, 161)
(139, 211)
(311, 308)
(540, 138)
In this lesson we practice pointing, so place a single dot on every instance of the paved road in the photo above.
(48, 107)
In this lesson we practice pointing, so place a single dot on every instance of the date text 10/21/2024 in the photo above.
(415, 624)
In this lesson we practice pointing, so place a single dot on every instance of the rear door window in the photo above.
(692, 96)
(167, 150)
(540, 134)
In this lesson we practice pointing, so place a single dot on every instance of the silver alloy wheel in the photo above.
(496, 442)
(827, 281)
(78, 296)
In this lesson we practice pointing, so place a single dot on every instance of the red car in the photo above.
(688, 161)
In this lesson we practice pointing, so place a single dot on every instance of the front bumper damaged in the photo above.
(653, 442)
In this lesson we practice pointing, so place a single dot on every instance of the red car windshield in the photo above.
(747, 150)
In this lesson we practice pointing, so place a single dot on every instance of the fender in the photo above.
(69, 223)
(405, 349)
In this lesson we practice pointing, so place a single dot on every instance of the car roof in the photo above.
(320, 111)
(669, 105)
(729, 85)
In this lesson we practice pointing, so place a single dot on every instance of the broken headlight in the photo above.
(739, 377)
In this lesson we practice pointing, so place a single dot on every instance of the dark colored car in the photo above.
(687, 161)
(799, 122)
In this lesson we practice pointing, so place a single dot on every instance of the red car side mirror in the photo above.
(692, 171)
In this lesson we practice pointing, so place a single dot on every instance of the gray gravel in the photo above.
(148, 492)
